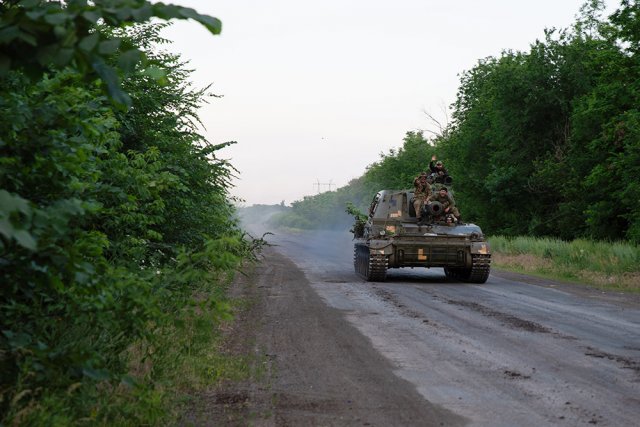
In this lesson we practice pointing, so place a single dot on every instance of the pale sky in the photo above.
(315, 90)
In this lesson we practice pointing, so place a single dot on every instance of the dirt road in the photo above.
(418, 350)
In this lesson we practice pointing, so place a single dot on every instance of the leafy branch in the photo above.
(37, 35)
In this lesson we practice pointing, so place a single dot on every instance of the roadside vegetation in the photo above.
(606, 265)
(259, 214)
(118, 236)
(543, 144)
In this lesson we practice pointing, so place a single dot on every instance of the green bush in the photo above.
(580, 254)
(111, 223)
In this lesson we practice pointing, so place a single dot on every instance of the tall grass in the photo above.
(605, 264)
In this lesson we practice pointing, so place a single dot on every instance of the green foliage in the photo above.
(111, 222)
(605, 264)
(259, 214)
(322, 211)
(553, 134)
(355, 212)
(360, 219)
(292, 220)
(37, 35)
(398, 168)
(544, 142)
(580, 253)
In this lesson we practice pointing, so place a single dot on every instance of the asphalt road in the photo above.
(515, 351)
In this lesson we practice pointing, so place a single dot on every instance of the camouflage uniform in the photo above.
(439, 175)
(421, 194)
(447, 202)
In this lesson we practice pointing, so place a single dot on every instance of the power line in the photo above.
(319, 185)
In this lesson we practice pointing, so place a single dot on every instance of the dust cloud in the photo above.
(332, 239)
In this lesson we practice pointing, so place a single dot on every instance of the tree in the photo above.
(110, 219)
(546, 131)
(36, 35)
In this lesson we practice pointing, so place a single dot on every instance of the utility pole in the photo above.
(320, 185)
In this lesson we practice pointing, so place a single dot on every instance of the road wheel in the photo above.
(376, 267)
(480, 268)
(478, 272)
(451, 273)
(370, 266)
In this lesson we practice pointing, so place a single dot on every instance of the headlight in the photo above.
(382, 232)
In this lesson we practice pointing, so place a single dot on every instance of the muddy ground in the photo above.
(310, 367)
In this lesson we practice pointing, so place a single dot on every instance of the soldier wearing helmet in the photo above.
(421, 194)
(439, 172)
(448, 204)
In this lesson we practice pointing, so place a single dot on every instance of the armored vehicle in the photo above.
(392, 237)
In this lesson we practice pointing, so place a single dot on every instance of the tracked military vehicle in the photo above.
(393, 237)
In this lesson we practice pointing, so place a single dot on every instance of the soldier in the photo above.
(440, 173)
(421, 194)
(448, 205)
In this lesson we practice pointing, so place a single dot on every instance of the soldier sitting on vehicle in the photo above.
(421, 195)
(439, 172)
(448, 205)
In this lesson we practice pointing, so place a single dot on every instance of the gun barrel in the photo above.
(435, 208)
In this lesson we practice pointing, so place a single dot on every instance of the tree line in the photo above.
(116, 223)
(542, 143)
